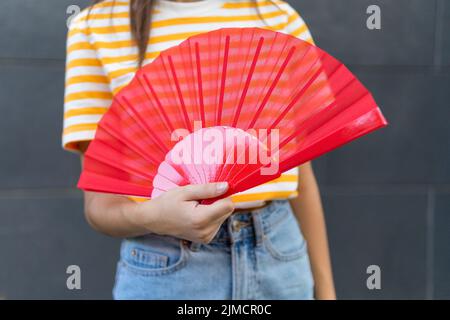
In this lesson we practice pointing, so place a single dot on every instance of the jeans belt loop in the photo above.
(195, 246)
(258, 227)
(192, 246)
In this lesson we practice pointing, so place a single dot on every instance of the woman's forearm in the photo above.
(308, 209)
(112, 215)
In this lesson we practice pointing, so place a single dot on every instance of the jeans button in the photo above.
(236, 226)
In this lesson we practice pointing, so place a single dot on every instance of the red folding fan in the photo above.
(240, 105)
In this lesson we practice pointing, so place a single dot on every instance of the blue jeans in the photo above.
(255, 255)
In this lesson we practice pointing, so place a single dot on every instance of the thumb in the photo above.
(203, 191)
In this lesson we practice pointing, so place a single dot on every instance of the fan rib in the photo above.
(300, 61)
(163, 174)
(223, 80)
(319, 119)
(197, 114)
(200, 84)
(272, 87)
(354, 129)
(114, 163)
(314, 122)
(158, 102)
(248, 81)
(135, 147)
(143, 124)
(296, 98)
(180, 95)
(111, 185)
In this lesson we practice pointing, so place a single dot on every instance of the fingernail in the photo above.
(222, 187)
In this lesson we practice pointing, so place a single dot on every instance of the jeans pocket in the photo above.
(153, 255)
(284, 240)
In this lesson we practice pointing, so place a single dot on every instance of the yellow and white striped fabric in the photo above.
(102, 59)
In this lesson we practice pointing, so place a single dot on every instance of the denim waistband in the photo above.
(250, 224)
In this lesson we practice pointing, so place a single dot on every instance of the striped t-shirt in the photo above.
(102, 59)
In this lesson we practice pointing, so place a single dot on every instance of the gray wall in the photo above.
(386, 196)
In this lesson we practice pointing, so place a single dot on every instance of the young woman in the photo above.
(247, 247)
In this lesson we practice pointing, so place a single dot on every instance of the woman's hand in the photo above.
(178, 213)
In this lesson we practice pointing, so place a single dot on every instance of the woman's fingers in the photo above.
(187, 219)
(203, 191)
(219, 210)
(207, 219)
